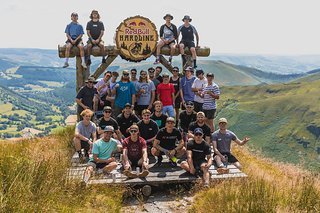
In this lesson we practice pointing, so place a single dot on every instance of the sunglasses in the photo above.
(175, 70)
(170, 122)
(133, 73)
(143, 74)
(198, 134)
(133, 131)
(107, 111)
(90, 82)
(125, 74)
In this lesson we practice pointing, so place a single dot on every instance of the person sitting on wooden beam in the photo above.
(187, 30)
(95, 31)
(74, 33)
(168, 35)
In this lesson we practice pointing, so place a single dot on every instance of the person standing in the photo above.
(175, 80)
(135, 154)
(124, 92)
(222, 139)
(103, 89)
(158, 72)
(211, 93)
(95, 31)
(199, 158)
(197, 88)
(165, 93)
(185, 86)
(188, 31)
(186, 117)
(74, 33)
(168, 35)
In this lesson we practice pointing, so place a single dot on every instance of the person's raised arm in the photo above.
(243, 142)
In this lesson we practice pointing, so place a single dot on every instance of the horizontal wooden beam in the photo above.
(113, 51)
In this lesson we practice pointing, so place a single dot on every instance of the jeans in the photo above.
(168, 109)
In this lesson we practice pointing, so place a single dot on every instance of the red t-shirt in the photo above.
(165, 91)
(134, 148)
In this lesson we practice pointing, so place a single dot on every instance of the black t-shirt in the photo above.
(86, 95)
(95, 28)
(159, 78)
(205, 128)
(149, 130)
(161, 121)
(102, 123)
(176, 85)
(186, 119)
(168, 140)
(125, 123)
(199, 151)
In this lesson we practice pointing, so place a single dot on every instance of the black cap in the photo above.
(151, 69)
(187, 17)
(127, 105)
(210, 74)
(198, 72)
(168, 15)
(189, 103)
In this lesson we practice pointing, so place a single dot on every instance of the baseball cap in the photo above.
(127, 105)
(106, 108)
(189, 68)
(109, 129)
(210, 74)
(189, 103)
(151, 69)
(170, 119)
(198, 130)
(223, 120)
(165, 75)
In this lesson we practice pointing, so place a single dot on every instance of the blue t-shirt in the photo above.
(185, 85)
(124, 93)
(145, 98)
(104, 149)
(74, 30)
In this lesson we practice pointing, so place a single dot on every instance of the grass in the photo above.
(270, 187)
(33, 179)
(5, 108)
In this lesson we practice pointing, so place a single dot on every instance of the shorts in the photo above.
(97, 165)
(231, 158)
(90, 42)
(134, 163)
(85, 145)
(197, 106)
(197, 164)
(140, 108)
(188, 43)
(209, 113)
(79, 41)
(177, 103)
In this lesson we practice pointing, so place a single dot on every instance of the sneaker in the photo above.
(83, 64)
(130, 174)
(206, 185)
(170, 60)
(66, 64)
(104, 61)
(223, 170)
(144, 173)
(99, 172)
(172, 164)
(156, 62)
(159, 162)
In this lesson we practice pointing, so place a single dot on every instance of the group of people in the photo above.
(169, 35)
(153, 115)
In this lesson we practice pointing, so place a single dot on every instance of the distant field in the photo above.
(5, 107)
(52, 83)
(55, 117)
(21, 113)
(12, 129)
(38, 88)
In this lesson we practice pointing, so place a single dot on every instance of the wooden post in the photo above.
(104, 66)
(79, 74)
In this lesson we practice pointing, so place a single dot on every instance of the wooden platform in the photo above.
(158, 175)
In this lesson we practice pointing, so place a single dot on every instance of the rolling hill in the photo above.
(281, 119)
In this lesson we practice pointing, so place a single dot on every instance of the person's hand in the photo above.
(171, 153)
(223, 159)
(142, 91)
(101, 103)
(145, 165)
(246, 139)
(150, 106)
(85, 107)
(112, 159)
(193, 170)
(73, 41)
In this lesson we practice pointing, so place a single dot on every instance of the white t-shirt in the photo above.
(199, 84)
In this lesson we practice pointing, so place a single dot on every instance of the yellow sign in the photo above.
(136, 38)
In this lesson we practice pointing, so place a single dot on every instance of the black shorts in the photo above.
(209, 113)
(85, 145)
(197, 106)
(197, 164)
(231, 158)
(97, 165)
(188, 43)
(77, 42)
(177, 103)
(134, 163)
(90, 42)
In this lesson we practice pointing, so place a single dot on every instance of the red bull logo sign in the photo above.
(136, 38)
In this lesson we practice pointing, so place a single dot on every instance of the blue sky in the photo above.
(226, 26)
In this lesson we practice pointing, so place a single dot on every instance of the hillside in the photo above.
(281, 119)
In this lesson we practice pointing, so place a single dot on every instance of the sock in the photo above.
(67, 60)
(194, 63)
(83, 59)
(221, 165)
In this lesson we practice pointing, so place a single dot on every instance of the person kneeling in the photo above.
(197, 152)
(135, 154)
(102, 154)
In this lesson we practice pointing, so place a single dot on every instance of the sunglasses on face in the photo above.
(133, 131)
(90, 82)
(170, 122)
(125, 74)
(108, 132)
(175, 70)
(198, 134)
(133, 73)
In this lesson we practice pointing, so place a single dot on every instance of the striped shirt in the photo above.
(208, 101)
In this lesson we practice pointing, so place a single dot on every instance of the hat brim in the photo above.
(92, 81)
(190, 19)
(164, 17)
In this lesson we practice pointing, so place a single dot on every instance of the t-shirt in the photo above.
(187, 32)
(86, 96)
(186, 119)
(185, 85)
(199, 151)
(208, 101)
(145, 98)
(124, 123)
(168, 140)
(148, 130)
(74, 30)
(95, 28)
(100, 83)
(205, 128)
(161, 120)
(176, 85)
(224, 140)
(199, 84)
(124, 93)
(159, 78)
(134, 148)
(104, 149)
(102, 123)
(168, 32)
(165, 91)
(86, 130)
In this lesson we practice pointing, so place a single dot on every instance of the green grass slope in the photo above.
(281, 119)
